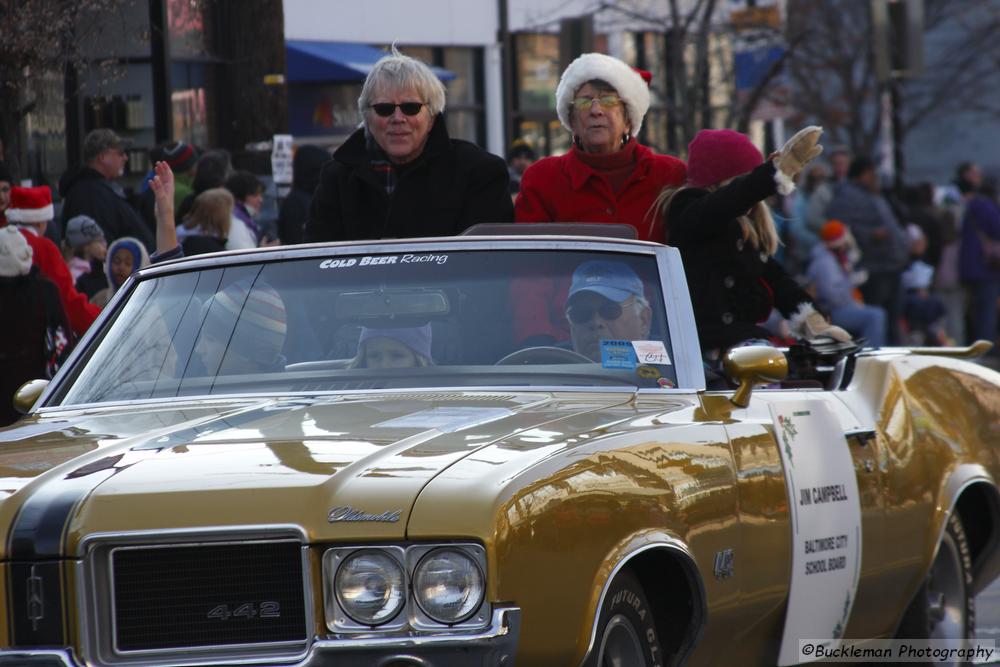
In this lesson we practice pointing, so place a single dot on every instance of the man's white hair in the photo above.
(397, 73)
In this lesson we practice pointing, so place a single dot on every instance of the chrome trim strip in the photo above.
(502, 630)
(166, 536)
(377, 246)
(499, 627)
(701, 609)
(174, 401)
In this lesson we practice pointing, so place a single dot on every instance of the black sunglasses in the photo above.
(386, 109)
(609, 310)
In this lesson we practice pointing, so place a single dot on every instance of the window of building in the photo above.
(465, 111)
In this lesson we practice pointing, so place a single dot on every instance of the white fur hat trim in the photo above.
(15, 253)
(630, 86)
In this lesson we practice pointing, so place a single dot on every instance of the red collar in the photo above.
(579, 171)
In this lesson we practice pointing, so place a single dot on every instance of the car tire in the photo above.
(626, 630)
(944, 607)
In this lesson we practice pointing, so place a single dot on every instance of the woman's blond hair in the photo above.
(212, 212)
(757, 225)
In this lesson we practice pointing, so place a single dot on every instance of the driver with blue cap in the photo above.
(606, 302)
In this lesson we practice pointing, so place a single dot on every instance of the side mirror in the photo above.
(750, 366)
(27, 394)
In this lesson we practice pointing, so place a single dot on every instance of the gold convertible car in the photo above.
(485, 450)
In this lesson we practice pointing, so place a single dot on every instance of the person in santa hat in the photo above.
(728, 240)
(31, 211)
(832, 272)
(41, 341)
(607, 175)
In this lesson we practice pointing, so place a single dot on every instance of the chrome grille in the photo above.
(170, 597)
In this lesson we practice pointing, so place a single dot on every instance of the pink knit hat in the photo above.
(718, 155)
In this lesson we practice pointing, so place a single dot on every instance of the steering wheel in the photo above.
(543, 355)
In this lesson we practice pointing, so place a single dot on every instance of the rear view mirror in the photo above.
(391, 304)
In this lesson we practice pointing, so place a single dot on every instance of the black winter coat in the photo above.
(733, 285)
(294, 213)
(86, 192)
(452, 185)
(35, 300)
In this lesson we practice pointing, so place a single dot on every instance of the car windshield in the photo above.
(374, 321)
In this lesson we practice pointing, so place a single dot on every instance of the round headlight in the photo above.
(369, 587)
(448, 585)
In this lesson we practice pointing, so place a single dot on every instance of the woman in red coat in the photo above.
(607, 176)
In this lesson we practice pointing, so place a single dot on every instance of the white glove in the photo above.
(815, 325)
(798, 151)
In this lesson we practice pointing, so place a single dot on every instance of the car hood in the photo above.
(361, 460)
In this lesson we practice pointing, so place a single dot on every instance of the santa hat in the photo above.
(30, 205)
(715, 156)
(628, 83)
(834, 233)
(15, 253)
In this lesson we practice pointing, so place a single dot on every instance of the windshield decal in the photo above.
(380, 260)
(618, 354)
(651, 352)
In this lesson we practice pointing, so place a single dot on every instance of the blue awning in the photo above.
(336, 61)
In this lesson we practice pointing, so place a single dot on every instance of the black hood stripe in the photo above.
(42, 520)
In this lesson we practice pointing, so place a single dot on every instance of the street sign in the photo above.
(281, 159)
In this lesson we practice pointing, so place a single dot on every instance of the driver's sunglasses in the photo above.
(606, 102)
(609, 310)
(386, 109)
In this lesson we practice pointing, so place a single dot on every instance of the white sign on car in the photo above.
(826, 524)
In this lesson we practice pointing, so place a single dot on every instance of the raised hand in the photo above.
(799, 151)
(162, 185)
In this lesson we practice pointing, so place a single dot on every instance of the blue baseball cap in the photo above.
(612, 280)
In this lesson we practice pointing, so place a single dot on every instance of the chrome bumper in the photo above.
(494, 646)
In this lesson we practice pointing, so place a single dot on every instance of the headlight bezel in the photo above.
(412, 616)
(420, 604)
(338, 619)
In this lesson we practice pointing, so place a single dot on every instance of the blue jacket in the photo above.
(982, 215)
(833, 285)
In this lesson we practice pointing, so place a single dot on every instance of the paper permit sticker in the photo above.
(446, 420)
(618, 354)
(651, 352)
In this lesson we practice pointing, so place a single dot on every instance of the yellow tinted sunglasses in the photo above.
(606, 102)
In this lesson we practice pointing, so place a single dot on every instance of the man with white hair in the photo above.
(401, 175)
